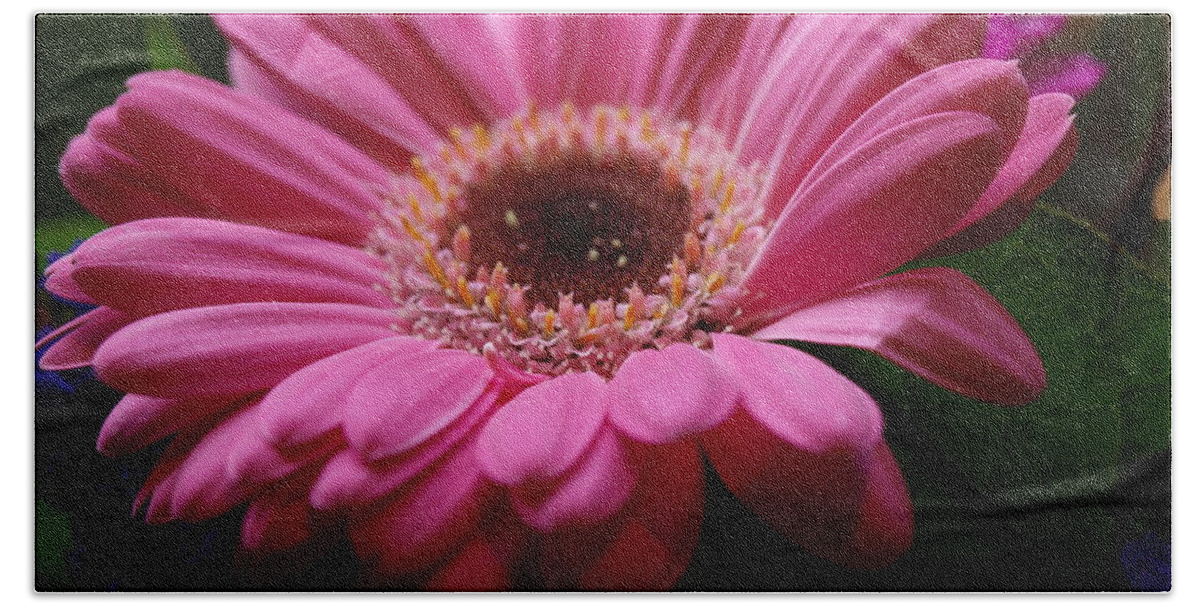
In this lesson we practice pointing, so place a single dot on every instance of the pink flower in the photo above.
(1030, 39)
(484, 288)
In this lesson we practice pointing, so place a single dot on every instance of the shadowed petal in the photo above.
(799, 397)
(311, 402)
(138, 421)
(221, 153)
(935, 322)
(848, 505)
(77, 343)
(285, 59)
(150, 266)
(594, 489)
(232, 349)
(871, 212)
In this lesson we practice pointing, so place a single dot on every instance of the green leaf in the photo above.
(166, 49)
(61, 233)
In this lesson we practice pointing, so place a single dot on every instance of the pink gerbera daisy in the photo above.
(482, 289)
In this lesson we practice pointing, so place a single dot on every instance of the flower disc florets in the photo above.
(562, 242)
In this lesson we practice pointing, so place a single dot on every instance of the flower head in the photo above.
(483, 287)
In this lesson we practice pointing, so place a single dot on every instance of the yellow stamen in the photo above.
(623, 114)
(426, 179)
(718, 177)
(738, 229)
(462, 243)
(630, 317)
(593, 315)
(415, 206)
(413, 232)
(548, 324)
(715, 281)
(464, 293)
(727, 202)
(647, 128)
(456, 139)
(520, 324)
(678, 282)
(492, 299)
(684, 141)
(482, 141)
(435, 269)
(601, 128)
(692, 249)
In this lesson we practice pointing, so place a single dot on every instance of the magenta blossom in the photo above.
(480, 289)
(1029, 39)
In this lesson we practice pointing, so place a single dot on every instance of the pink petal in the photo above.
(1046, 148)
(826, 71)
(476, 568)
(649, 544)
(82, 336)
(798, 397)
(138, 421)
(661, 396)
(155, 265)
(393, 47)
(348, 479)
(1075, 75)
(114, 185)
(284, 59)
(60, 283)
(232, 349)
(695, 55)
(985, 86)
(404, 401)
(311, 402)
(876, 209)
(426, 520)
(847, 505)
(199, 486)
(592, 491)
(274, 523)
(231, 155)
(935, 322)
(543, 431)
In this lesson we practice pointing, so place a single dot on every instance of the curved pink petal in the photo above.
(826, 71)
(935, 322)
(848, 505)
(138, 421)
(114, 185)
(284, 59)
(392, 46)
(661, 396)
(798, 397)
(348, 479)
(60, 283)
(591, 491)
(1046, 148)
(648, 545)
(311, 402)
(232, 349)
(544, 430)
(82, 336)
(985, 86)
(198, 485)
(401, 402)
(426, 520)
(276, 523)
(876, 209)
(155, 265)
(232, 155)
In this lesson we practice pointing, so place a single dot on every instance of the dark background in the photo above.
(1069, 493)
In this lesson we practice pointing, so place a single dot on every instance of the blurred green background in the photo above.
(1071, 492)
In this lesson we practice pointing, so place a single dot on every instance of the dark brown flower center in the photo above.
(581, 225)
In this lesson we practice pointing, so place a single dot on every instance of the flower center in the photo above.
(559, 242)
